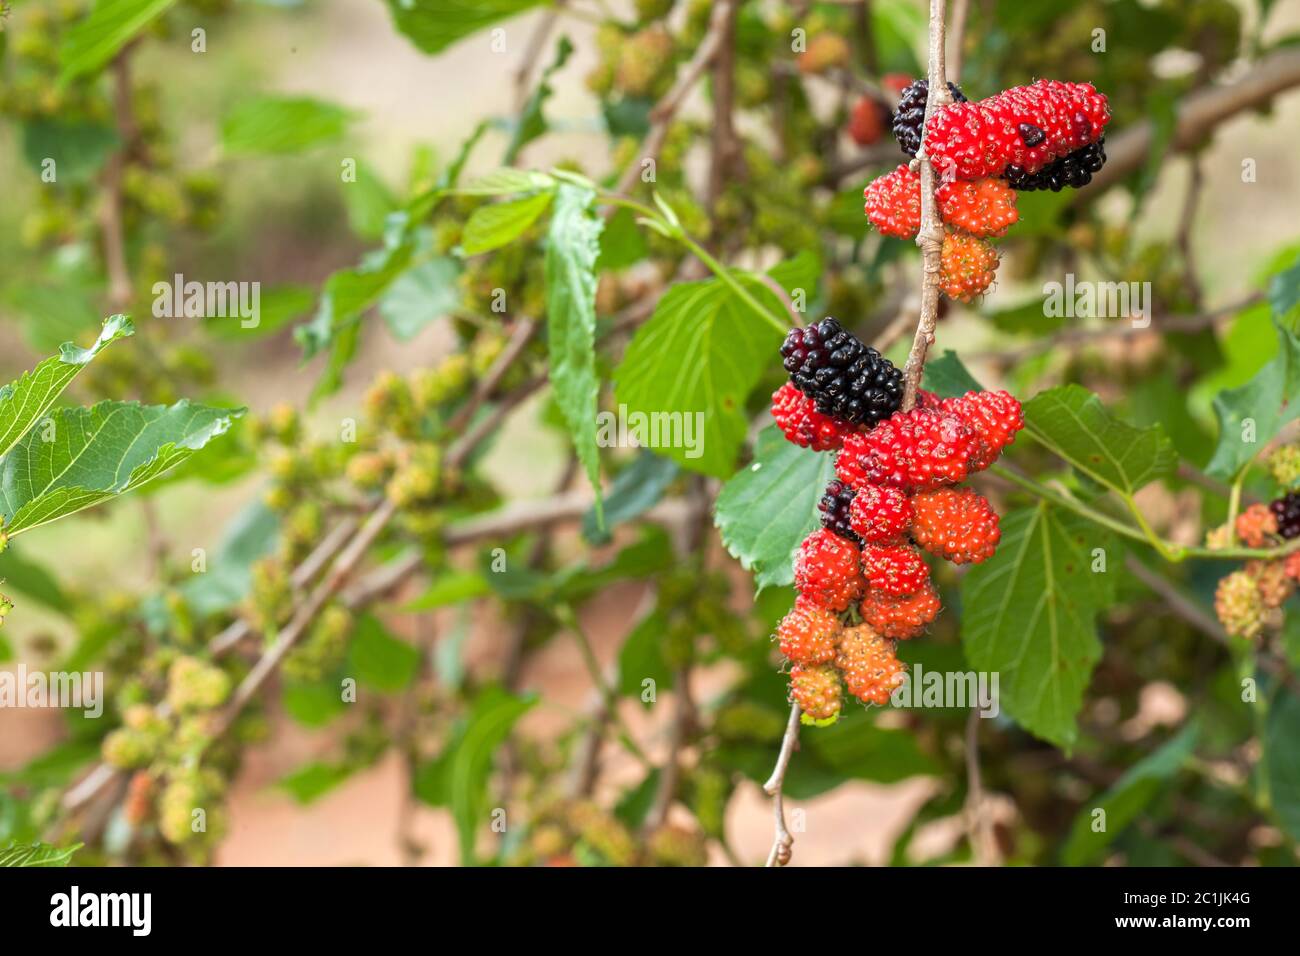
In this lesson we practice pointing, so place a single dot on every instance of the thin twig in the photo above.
(1186, 222)
(111, 222)
(532, 50)
(957, 34)
(525, 330)
(930, 236)
(663, 113)
(783, 842)
(978, 825)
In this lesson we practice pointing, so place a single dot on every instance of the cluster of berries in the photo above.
(863, 584)
(1044, 136)
(1250, 599)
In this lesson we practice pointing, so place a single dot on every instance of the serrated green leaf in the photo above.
(23, 403)
(92, 42)
(770, 506)
(99, 453)
(491, 227)
(282, 124)
(380, 660)
(1028, 614)
(1268, 401)
(37, 854)
(434, 25)
(421, 295)
(641, 657)
(1126, 798)
(572, 247)
(693, 364)
(1073, 424)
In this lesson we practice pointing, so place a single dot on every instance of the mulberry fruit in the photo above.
(967, 266)
(897, 571)
(871, 669)
(1026, 127)
(1272, 581)
(797, 416)
(1286, 512)
(1239, 605)
(894, 203)
(958, 525)
(1285, 465)
(835, 507)
(1074, 169)
(807, 634)
(994, 417)
(986, 207)
(880, 514)
(845, 379)
(911, 114)
(1256, 525)
(900, 618)
(913, 451)
(827, 571)
(867, 121)
(817, 691)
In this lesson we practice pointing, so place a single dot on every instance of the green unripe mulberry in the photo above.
(194, 685)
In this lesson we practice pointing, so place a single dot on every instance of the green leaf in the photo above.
(1284, 291)
(33, 580)
(99, 453)
(313, 780)
(454, 587)
(1073, 424)
(91, 43)
(506, 182)
(314, 704)
(369, 202)
(1269, 400)
(1280, 767)
(378, 659)
(947, 377)
(23, 403)
(532, 123)
(458, 778)
(434, 25)
(573, 243)
(282, 124)
(770, 506)
(421, 295)
(635, 490)
(1028, 614)
(622, 243)
(641, 657)
(277, 307)
(229, 576)
(693, 365)
(491, 227)
(37, 854)
(77, 148)
(1126, 799)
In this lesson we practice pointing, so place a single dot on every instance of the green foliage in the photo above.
(94, 41)
(37, 854)
(572, 246)
(380, 660)
(282, 124)
(770, 506)
(1267, 402)
(499, 224)
(434, 25)
(1028, 614)
(1075, 426)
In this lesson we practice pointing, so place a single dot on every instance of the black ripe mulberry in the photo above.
(1287, 511)
(834, 507)
(846, 379)
(1073, 170)
(910, 114)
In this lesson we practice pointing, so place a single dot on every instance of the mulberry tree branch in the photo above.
(930, 236)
